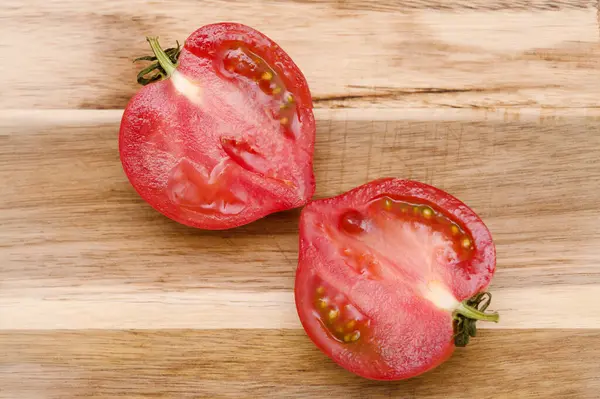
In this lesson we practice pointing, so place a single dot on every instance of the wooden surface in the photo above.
(495, 102)
(354, 53)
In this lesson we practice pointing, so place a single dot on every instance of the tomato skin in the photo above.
(394, 347)
(209, 156)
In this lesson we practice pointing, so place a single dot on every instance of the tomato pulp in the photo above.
(227, 137)
(391, 277)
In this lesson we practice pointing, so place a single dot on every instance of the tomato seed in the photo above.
(352, 337)
(466, 243)
(387, 204)
(333, 314)
(427, 212)
(322, 303)
(455, 229)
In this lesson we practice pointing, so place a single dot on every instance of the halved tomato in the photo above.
(227, 136)
(391, 277)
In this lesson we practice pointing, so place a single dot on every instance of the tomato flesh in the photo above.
(381, 270)
(228, 138)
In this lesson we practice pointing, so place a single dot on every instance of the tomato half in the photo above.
(227, 137)
(391, 277)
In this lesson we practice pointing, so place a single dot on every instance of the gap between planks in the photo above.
(125, 307)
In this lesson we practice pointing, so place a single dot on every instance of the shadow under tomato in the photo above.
(285, 222)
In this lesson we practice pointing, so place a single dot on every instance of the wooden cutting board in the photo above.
(495, 102)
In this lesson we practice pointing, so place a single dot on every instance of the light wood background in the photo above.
(496, 102)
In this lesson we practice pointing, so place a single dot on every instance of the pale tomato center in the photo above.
(399, 240)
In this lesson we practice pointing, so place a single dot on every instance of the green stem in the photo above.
(472, 313)
(161, 56)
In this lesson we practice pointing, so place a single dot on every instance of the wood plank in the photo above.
(76, 237)
(426, 53)
(276, 364)
(93, 305)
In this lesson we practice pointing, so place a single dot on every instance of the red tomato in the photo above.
(228, 137)
(390, 277)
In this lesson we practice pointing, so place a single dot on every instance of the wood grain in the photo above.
(119, 306)
(426, 53)
(281, 364)
(493, 101)
(80, 249)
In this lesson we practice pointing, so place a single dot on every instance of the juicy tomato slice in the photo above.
(228, 138)
(381, 270)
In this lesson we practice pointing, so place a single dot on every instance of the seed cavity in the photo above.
(423, 213)
(340, 318)
(242, 153)
(239, 60)
(193, 188)
(352, 222)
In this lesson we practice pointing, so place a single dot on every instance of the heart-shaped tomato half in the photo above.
(391, 277)
(227, 137)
